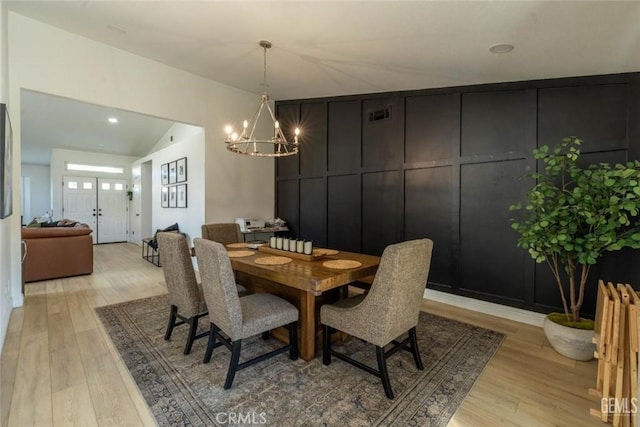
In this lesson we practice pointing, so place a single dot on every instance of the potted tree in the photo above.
(571, 216)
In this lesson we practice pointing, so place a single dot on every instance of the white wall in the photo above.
(189, 219)
(176, 133)
(7, 260)
(49, 60)
(40, 176)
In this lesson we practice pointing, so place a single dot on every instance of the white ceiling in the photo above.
(52, 121)
(336, 48)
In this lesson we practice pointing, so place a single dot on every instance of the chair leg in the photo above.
(233, 364)
(293, 340)
(193, 328)
(384, 375)
(211, 344)
(414, 348)
(326, 345)
(172, 322)
(265, 335)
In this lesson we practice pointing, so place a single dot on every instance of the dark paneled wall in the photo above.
(446, 164)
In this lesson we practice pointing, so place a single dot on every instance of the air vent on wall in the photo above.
(382, 114)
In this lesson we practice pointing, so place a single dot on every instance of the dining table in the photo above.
(306, 283)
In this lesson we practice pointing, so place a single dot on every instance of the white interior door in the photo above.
(79, 201)
(112, 210)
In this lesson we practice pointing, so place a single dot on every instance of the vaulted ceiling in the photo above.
(332, 48)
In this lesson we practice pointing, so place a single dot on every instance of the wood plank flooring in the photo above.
(59, 368)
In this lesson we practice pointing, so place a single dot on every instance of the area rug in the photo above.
(181, 390)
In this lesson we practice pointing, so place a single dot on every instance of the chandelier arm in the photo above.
(255, 118)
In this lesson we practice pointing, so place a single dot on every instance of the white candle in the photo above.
(308, 247)
(292, 245)
(279, 243)
(272, 242)
(285, 244)
(300, 246)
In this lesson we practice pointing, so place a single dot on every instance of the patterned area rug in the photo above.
(181, 390)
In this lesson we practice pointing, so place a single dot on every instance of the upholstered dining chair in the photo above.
(185, 294)
(223, 233)
(239, 317)
(389, 310)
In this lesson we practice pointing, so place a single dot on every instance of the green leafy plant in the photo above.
(572, 215)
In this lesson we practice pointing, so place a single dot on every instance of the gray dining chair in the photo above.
(223, 233)
(389, 310)
(239, 317)
(185, 294)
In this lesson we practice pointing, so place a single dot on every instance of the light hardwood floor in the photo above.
(58, 366)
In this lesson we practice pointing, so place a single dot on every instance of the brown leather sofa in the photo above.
(53, 252)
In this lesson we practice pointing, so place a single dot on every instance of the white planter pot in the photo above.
(570, 342)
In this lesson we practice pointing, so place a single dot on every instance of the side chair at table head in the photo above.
(389, 310)
(223, 233)
(239, 317)
(185, 294)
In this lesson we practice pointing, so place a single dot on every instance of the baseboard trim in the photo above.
(499, 310)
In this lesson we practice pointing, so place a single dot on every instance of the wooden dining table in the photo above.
(306, 284)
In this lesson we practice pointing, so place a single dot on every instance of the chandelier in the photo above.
(272, 146)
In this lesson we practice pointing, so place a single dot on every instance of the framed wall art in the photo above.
(182, 195)
(164, 173)
(181, 170)
(6, 157)
(172, 172)
(173, 200)
(164, 195)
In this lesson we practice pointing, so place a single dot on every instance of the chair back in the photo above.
(179, 274)
(392, 306)
(219, 287)
(223, 233)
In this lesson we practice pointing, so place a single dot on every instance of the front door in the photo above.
(79, 201)
(112, 210)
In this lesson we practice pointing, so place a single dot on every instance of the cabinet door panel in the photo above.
(344, 137)
(490, 261)
(431, 126)
(312, 211)
(380, 210)
(313, 142)
(344, 213)
(428, 214)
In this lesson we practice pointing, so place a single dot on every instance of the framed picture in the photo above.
(164, 195)
(182, 195)
(172, 196)
(164, 173)
(172, 172)
(6, 157)
(181, 166)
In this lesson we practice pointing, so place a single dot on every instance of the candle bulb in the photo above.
(297, 132)
(276, 126)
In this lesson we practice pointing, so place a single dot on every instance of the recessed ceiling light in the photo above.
(113, 120)
(501, 48)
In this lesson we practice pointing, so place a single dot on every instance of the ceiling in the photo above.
(51, 121)
(333, 48)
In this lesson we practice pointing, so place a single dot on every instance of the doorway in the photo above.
(100, 202)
